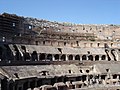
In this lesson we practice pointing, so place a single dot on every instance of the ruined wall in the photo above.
(40, 30)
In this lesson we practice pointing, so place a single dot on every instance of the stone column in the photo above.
(93, 57)
(87, 77)
(118, 77)
(45, 56)
(87, 57)
(53, 58)
(106, 58)
(66, 57)
(80, 57)
(100, 58)
(38, 56)
(73, 57)
(99, 77)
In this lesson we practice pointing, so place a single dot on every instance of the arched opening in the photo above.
(42, 56)
(70, 57)
(96, 57)
(77, 43)
(84, 57)
(90, 57)
(49, 57)
(23, 48)
(103, 57)
(98, 44)
(77, 57)
(36, 42)
(34, 56)
(113, 54)
(8, 53)
(63, 58)
(26, 56)
(56, 57)
(64, 43)
(115, 76)
(107, 53)
(17, 53)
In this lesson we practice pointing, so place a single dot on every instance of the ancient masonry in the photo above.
(37, 54)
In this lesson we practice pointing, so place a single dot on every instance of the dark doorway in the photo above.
(49, 57)
(97, 58)
(103, 57)
(34, 56)
(63, 58)
(70, 57)
(77, 57)
(56, 57)
(42, 56)
(90, 57)
(84, 57)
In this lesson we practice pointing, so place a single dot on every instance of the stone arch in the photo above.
(63, 57)
(90, 57)
(97, 58)
(77, 57)
(70, 57)
(114, 54)
(84, 57)
(17, 53)
(26, 56)
(34, 56)
(42, 56)
(49, 57)
(56, 57)
(103, 57)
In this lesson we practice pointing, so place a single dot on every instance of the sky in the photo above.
(74, 11)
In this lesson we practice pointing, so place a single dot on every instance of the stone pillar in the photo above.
(45, 56)
(73, 57)
(38, 56)
(53, 58)
(106, 58)
(118, 77)
(99, 77)
(100, 58)
(87, 77)
(87, 57)
(80, 58)
(66, 57)
(93, 57)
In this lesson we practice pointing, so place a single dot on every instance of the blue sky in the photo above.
(74, 11)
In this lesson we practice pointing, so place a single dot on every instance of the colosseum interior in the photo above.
(37, 54)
